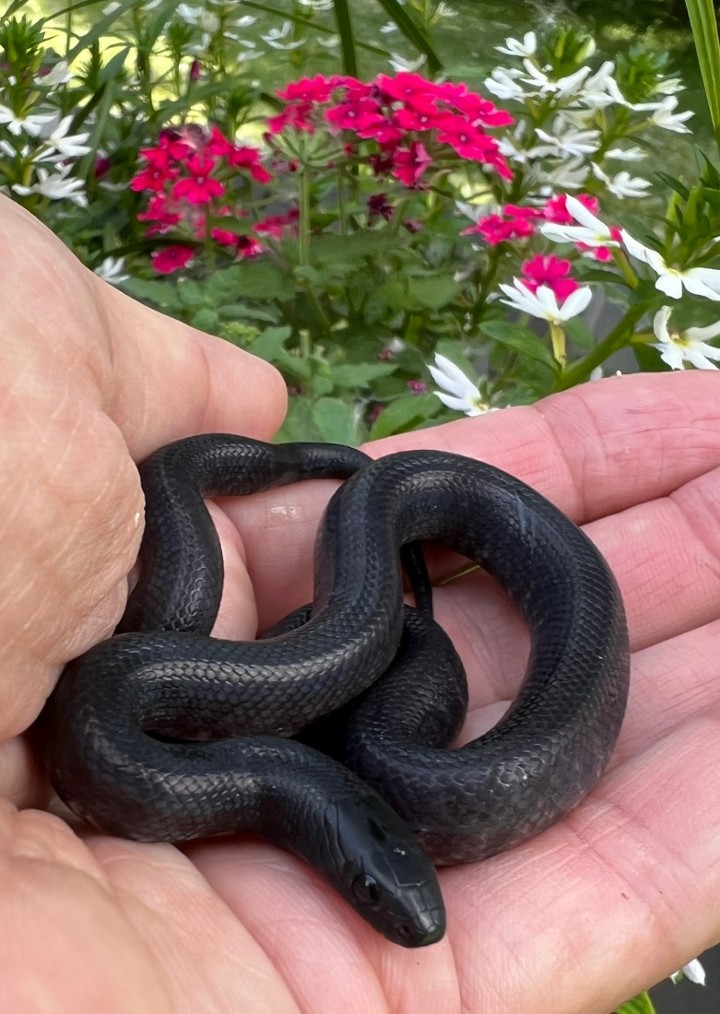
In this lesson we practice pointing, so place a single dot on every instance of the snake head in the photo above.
(383, 873)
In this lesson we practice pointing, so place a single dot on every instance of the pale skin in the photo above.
(613, 898)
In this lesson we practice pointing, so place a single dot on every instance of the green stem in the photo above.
(616, 339)
(304, 219)
(557, 337)
(623, 264)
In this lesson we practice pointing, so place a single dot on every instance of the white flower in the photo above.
(633, 154)
(389, 28)
(564, 87)
(31, 124)
(622, 184)
(678, 347)
(503, 84)
(669, 86)
(567, 140)
(594, 92)
(55, 134)
(112, 270)
(400, 64)
(57, 76)
(275, 36)
(701, 281)
(317, 5)
(56, 187)
(543, 303)
(591, 231)
(665, 117)
(513, 47)
(569, 175)
(457, 390)
(693, 971)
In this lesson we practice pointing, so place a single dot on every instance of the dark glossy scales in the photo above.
(538, 763)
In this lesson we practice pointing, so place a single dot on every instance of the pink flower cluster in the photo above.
(521, 221)
(187, 174)
(414, 123)
(550, 271)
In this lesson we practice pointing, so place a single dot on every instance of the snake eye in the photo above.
(366, 889)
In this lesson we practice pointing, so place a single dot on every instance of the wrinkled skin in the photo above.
(607, 902)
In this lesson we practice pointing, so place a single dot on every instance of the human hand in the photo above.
(576, 920)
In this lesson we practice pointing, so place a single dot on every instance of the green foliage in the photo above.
(641, 1004)
(381, 266)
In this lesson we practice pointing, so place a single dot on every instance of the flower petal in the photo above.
(660, 323)
(576, 302)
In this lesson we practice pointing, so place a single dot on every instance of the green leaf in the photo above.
(519, 339)
(345, 249)
(334, 420)
(343, 20)
(433, 293)
(641, 1004)
(98, 30)
(405, 414)
(190, 293)
(355, 375)
(261, 281)
(705, 35)
(580, 334)
(674, 184)
(206, 319)
(299, 423)
(158, 293)
(270, 343)
(241, 311)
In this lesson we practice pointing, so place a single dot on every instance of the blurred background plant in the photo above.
(406, 216)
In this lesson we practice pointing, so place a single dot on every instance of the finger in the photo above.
(595, 450)
(170, 380)
(615, 897)
(211, 961)
(313, 935)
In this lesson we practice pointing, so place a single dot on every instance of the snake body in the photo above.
(168, 734)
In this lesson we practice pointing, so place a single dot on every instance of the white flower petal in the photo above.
(701, 334)
(709, 277)
(695, 284)
(584, 216)
(660, 323)
(671, 284)
(699, 361)
(671, 354)
(576, 302)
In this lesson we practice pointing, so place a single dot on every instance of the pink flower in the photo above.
(551, 272)
(275, 225)
(556, 211)
(308, 89)
(357, 115)
(161, 211)
(417, 386)
(408, 164)
(406, 87)
(248, 158)
(422, 116)
(171, 258)
(495, 229)
(471, 143)
(157, 172)
(200, 187)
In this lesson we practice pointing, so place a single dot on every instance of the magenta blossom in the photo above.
(550, 271)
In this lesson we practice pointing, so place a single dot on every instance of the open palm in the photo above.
(605, 903)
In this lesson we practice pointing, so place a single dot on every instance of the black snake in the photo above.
(164, 733)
